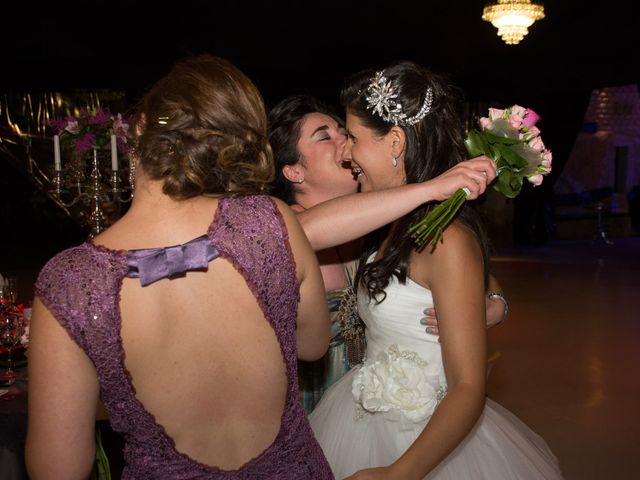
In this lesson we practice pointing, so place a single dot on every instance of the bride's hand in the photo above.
(474, 175)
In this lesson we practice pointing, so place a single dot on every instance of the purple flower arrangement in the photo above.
(92, 129)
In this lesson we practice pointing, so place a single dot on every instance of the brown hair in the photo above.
(203, 130)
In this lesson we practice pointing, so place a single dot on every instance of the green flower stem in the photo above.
(431, 227)
(101, 469)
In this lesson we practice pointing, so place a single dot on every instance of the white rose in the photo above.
(397, 381)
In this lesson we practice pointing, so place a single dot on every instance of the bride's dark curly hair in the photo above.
(433, 145)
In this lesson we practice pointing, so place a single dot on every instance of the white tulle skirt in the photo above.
(500, 447)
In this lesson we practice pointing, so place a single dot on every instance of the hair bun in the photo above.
(212, 137)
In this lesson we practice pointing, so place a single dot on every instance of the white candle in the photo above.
(57, 160)
(114, 153)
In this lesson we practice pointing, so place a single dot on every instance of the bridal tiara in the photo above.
(381, 97)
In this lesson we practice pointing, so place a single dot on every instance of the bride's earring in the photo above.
(394, 161)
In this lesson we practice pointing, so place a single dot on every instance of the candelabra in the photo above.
(97, 190)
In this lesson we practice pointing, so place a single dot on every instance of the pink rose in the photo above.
(530, 118)
(536, 144)
(536, 180)
(484, 122)
(519, 111)
(531, 132)
(515, 121)
(547, 156)
(495, 113)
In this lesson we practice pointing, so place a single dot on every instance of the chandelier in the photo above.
(512, 18)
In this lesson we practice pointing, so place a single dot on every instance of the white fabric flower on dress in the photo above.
(398, 380)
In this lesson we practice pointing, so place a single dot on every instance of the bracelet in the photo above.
(492, 295)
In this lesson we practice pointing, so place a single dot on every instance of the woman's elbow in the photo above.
(46, 464)
(314, 349)
(475, 396)
(313, 353)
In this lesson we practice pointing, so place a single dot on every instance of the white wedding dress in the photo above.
(375, 412)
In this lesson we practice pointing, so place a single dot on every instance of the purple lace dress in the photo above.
(81, 286)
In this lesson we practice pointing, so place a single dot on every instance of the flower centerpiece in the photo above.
(512, 140)
(87, 179)
(91, 129)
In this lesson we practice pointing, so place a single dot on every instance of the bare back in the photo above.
(203, 358)
(206, 363)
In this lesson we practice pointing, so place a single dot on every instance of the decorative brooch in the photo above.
(381, 98)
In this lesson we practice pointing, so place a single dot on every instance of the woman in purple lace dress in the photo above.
(187, 316)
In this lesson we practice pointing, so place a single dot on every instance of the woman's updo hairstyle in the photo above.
(202, 130)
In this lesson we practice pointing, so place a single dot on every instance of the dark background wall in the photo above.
(290, 47)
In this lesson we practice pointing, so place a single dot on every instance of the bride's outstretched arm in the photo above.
(346, 218)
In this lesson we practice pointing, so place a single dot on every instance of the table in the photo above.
(13, 432)
(13, 428)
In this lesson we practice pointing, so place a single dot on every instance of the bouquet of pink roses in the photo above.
(512, 140)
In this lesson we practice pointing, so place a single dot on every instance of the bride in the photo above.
(416, 408)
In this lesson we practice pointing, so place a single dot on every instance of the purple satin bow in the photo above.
(152, 264)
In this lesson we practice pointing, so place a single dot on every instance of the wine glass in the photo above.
(11, 329)
(10, 290)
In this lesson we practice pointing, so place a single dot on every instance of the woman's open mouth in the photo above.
(355, 170)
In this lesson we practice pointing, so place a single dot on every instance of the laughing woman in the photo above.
(416, 408)
(308, 141)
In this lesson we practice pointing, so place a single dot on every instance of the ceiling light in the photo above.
(512, 18)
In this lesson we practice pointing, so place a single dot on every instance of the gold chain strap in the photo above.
(351, 327)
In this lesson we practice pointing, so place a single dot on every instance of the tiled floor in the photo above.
(569, 362)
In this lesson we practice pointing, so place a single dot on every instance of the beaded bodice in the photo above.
(81, 285)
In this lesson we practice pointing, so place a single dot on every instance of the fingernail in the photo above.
(427, 311)
(429, 330)
(423, 321)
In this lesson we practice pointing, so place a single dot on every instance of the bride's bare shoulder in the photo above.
(458, 247)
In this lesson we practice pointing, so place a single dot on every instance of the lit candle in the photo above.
(114, 153)
(57, 160)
